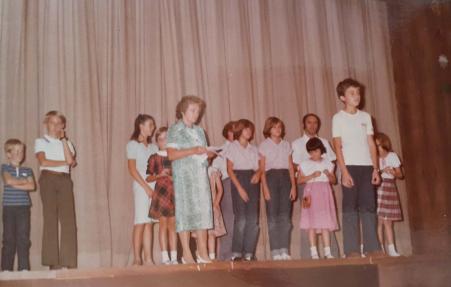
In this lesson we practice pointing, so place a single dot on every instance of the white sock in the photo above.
(392, 250)
(212, 256)
(164, 256)
(314, 252)
(173, 255)
(327, 251)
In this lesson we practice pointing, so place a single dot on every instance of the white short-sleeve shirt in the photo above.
(140, 153)
(54, 150)
(300, 151)
(307, 167)
(353, 129)
(276, 154)
(391, 160)
(243, 158)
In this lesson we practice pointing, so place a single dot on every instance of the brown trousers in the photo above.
(58, 206)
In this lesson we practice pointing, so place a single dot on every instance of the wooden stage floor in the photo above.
(404, 271)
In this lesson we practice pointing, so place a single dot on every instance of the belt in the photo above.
(46, 171)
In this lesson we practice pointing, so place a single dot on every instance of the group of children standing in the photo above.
(56, 156)
(238, 175)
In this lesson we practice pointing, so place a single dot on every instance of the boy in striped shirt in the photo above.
(17, 182)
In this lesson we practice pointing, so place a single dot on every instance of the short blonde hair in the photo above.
(10, 143)
(182, 106)
(54, 114)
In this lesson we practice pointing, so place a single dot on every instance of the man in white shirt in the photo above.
(312, 124)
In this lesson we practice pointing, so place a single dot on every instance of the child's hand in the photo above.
(326, 172)
(389, 170)
(376, 178)
(62, 134)
(149, 191)
(243, 194)
(266, 194)
(255, 178)
(346, 180)
(316, 174)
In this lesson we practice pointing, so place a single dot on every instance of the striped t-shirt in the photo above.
(14, 196)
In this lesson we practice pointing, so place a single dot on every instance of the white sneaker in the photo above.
(277, 257)
(285, 256)
(166, 262)
(174, 262)
(393, 253)
(315, 256)
(329, 256)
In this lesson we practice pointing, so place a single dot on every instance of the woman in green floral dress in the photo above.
(188, 153)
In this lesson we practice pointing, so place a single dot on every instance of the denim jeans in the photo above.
(16, 237)
(278, 210)
(359, 208)
(245, 229)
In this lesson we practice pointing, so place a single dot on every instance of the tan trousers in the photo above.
(58, 206)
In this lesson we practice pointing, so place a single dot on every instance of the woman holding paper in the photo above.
(187, 149)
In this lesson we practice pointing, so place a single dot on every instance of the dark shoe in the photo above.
(354, 255)
(55, 267)
(236, 259)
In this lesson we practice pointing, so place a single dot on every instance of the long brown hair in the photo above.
(141, 119)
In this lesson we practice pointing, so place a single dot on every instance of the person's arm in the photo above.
(262, 167)
(346, 178)
(44, 162)
(293, 192)
(304, 178)
(137, 177)
(243, 194)
(376, 178)
(175, 154)
(69, 156)
(219, 190)
(27, 184)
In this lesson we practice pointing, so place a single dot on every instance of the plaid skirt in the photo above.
(388, 203)
(163, 199)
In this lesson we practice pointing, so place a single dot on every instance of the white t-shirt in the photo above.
(307, 167)
(140, 153)
(300, 151)
(54, 150)
(353, 129)
(391, 160)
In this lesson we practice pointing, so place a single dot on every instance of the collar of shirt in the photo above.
(50, 139)
(237, 143)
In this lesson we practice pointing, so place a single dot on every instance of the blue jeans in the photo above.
(278, 210)
(359, 208)
(245, 229)
(16, 237)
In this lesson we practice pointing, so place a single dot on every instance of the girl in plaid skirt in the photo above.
(388, 203)
(162, 206)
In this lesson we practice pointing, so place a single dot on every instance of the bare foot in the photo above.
(148, 262)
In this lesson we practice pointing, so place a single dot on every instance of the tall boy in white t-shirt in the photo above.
(352, 133)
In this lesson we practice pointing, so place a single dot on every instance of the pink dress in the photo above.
(322, 212)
